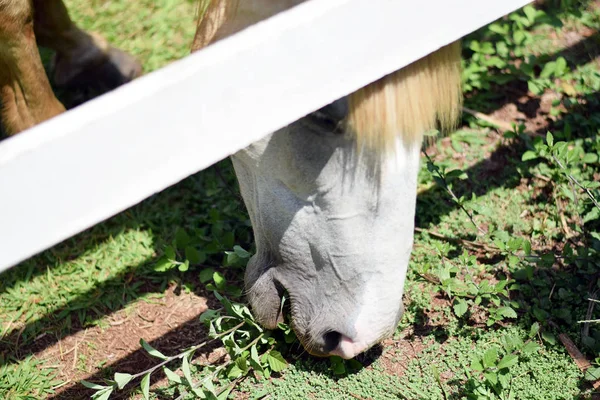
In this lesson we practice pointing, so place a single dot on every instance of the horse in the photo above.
(82, 59)
(332, 196)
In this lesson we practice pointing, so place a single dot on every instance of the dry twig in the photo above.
(505, 126)
(468, 244)
(580, 360)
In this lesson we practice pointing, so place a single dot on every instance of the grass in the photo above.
(155, 31)
(505, 257)
(537, 376)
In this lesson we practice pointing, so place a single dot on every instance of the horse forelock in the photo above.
(418, 98)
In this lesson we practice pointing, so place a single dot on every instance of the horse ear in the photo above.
(410, 102)
(212, 15)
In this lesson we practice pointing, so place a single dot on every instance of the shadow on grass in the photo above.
(504, 168)
(187, 205)
(553, 294)
(503, 87)
(188, 334)
(499, 95)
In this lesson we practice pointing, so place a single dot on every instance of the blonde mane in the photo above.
(418, 98)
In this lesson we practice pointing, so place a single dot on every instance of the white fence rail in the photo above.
(90, 163)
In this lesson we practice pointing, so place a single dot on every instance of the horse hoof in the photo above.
(100, 68)
(118, 69)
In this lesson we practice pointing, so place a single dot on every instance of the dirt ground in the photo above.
(169, 323)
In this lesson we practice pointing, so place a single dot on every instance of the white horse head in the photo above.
(332, 197)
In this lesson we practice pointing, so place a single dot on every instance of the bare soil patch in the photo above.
(398, 353)
(170, 324)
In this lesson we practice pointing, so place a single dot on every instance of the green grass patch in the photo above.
(506, 254)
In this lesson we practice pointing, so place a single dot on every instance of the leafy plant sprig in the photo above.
(121, 380)
(466, 292)
(497, 369)
(570, 160)
(249, 346)
(444, 179)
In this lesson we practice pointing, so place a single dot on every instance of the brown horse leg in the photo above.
(26, 96)
(82, 59)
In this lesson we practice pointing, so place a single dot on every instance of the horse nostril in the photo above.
(332, 340)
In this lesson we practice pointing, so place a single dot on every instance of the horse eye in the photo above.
(331, 117)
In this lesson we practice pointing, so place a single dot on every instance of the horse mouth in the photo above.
(265, 297)
(272, 305)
